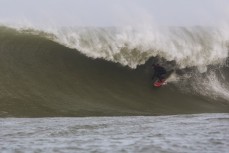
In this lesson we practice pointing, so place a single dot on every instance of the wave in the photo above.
(46, 72)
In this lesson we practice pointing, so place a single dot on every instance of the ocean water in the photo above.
(207, 133)
(89, 89)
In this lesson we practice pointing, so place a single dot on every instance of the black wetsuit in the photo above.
(159, 72)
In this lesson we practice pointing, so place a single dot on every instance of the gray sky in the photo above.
(115, 12)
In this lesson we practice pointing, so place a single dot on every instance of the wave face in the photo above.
(46, 72)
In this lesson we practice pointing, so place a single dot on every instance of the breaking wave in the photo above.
(94, 71)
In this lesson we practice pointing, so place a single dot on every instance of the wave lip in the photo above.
(133, 46)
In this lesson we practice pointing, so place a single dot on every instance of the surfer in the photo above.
(159, 72)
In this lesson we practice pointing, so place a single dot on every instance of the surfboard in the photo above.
(159, 83)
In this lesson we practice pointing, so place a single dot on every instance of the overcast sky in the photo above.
(115, 12)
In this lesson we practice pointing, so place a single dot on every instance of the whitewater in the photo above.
(134, 45)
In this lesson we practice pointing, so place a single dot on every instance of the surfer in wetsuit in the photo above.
(159, 72)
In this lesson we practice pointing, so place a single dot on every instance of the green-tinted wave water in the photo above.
(40, 77)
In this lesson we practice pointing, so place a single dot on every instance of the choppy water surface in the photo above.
(180, 133)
